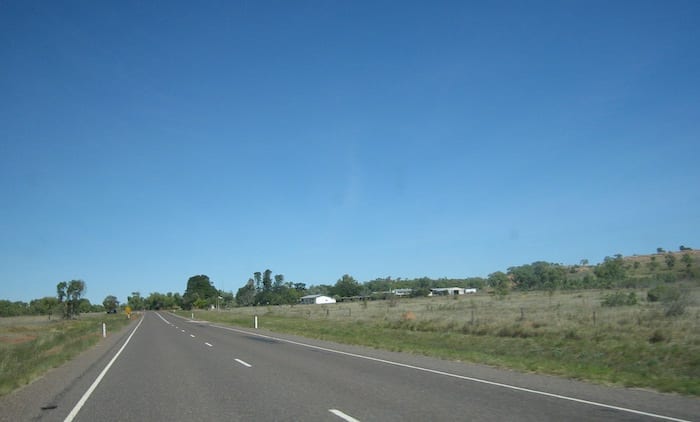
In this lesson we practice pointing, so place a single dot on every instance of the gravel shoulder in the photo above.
(41, 399)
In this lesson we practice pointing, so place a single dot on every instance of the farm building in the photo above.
(402, 292)
(449, 291)
(316, 300)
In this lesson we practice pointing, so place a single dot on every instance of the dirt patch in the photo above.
(16, 339)
(408, 316)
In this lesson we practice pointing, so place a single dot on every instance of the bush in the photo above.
(674, 299)
(667, 277)
(657, 336)
(675, 308)
(663, 294)
(620, 299)
(654, 295)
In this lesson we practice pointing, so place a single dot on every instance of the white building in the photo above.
(449, 291)
(402, 292)
(316, 300)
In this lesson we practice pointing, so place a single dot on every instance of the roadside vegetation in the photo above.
(32, 345)
(634, 337)
(633, 321)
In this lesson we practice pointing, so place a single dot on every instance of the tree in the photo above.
(346, 286)
(199, 287)
(246, 294)
(84, 306)
(498, 280)
(379, 285)
(227, 299)
(61, 290)
(157, 301)
(111, 304)
(584, 262)
(75, 291)
(177, 299)
(71, 292)
(670, 260)
(611, 270)
(538, 275)
(660, 250)
(258, 280)
(321, 289)
(267, 280)
(279, 282)
(685, 248)
(8, 308)
(45, 306)
(135, 301)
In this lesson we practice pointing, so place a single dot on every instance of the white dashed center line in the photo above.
(342, 415)
(244, 363)
(208, 344)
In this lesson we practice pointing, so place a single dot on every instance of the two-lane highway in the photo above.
(177, 369)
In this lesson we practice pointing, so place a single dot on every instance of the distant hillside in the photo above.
(667, 266)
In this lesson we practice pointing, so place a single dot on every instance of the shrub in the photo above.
(667, 277)
(664, 294)
(673, 298)
(657, 336)
(675, 308)
(571, 335)
(620, 299)
(654, 295)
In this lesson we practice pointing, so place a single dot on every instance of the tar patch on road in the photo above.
(263, 340)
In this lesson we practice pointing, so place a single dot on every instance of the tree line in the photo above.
(68, 303)
(264, 288)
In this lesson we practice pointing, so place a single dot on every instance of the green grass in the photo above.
(30, 346)
(567, 333)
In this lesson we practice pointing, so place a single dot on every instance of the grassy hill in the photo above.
(645, 270)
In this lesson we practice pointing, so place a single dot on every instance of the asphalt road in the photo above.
(169, 368)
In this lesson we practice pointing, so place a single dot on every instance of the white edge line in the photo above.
(73, 413)
(246, 364)
(447, 374)
(342, 415)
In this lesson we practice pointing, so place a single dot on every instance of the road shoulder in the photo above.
(42, 398)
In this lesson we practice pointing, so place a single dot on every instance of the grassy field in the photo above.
(31, 345)
(562, 333)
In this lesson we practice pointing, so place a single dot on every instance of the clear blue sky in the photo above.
(142, 143)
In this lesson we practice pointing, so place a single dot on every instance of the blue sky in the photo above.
(142, 143)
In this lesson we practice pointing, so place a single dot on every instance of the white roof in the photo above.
(312, 296)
